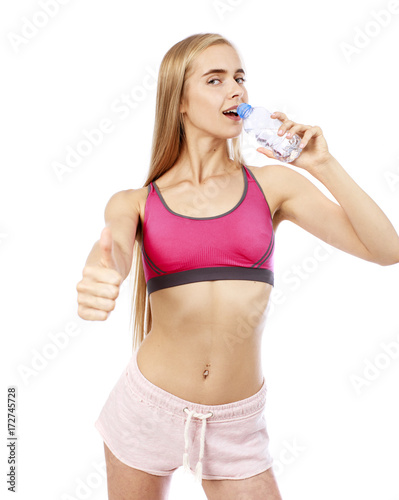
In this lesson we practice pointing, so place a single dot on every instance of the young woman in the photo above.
(201, 232)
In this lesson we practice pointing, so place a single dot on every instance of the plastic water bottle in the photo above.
(259, 124)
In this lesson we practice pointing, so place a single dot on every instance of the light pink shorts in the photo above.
(150, 429)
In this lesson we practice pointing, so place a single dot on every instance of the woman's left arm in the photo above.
(368, 222)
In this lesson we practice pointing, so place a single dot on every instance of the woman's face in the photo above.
(215, 84)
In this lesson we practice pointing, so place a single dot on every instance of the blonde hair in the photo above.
(167, 142)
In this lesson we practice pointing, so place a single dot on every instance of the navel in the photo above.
(206, 372)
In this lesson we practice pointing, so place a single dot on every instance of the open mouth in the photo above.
(231, 113)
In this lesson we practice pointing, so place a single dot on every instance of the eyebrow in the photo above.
(240, 70)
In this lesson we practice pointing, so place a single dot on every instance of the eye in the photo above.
(218, 80)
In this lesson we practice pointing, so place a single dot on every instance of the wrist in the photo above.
(325, 167)
(120, 258)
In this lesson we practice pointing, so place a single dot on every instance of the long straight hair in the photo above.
(168, 140)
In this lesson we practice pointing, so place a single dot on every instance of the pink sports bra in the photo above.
(236, 245)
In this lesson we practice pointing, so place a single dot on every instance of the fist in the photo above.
(99, 287)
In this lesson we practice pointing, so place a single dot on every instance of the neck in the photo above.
(203, 158)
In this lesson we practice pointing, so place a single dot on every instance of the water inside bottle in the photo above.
(284, 149)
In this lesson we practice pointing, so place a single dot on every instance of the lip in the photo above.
(234, 118)
(232, 107)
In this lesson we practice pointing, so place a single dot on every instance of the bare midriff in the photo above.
(205, 342)
(204, 345)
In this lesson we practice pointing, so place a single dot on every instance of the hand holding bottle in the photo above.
(285, 139)
(99, 287)
(316, 153)
(259, 123)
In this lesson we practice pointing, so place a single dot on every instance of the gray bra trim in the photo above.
(206, 218)
(210, 274)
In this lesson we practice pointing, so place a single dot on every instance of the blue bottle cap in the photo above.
(244, 110)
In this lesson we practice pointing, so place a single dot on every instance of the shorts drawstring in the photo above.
(186, 465)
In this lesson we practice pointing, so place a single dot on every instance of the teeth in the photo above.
(231, 111)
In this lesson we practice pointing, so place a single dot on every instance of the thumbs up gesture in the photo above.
(99, 287)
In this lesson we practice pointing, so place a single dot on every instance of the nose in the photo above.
(236, 90)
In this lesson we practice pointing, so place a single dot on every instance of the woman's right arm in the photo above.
(110, 259)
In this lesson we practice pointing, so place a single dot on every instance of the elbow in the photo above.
(389, 257)
(388, 261)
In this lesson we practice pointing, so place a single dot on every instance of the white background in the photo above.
(321, 334)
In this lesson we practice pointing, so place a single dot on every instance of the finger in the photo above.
(266, 152)
(106, 245)
(88, 300)
(285, 126)
(313, 131)
(103, 290)
(102, 275)
(297, 128)
(92, 314)
(279, 115)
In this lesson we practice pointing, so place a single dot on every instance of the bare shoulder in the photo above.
(288, 190)
(127, 202)
(123, 215)
(275, 173)
(274, 180)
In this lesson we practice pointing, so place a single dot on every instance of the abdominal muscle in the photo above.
(205, 342)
